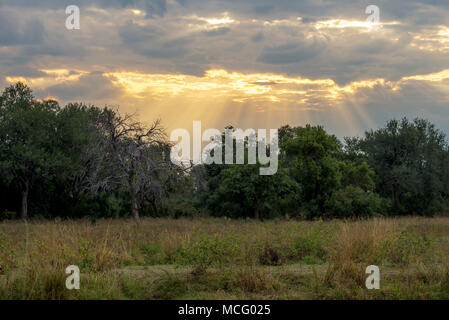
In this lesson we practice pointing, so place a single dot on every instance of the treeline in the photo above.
(80, 160)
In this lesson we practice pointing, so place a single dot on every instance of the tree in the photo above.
(358, 174)
(133, 156)
(28, 130)
(244, 192)
(79, 137)
(314, 165)
(238, 190)
(410, 159)
(354, 202)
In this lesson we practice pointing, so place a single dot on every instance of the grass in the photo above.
(225, 259)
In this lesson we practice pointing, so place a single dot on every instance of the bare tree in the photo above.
(131, 155)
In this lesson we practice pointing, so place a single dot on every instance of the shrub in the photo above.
(203, 251)
(270, 256)
(152, 252)
(353, 202)
(8, 215)
(168, 287)
(308, 249)
(249, 280)
(180, 207)
(404, 247)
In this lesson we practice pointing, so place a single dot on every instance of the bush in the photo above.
(404, 247)
(169, 287)
(177, 207)
(8, 215)
(152, 252)
(308, 250)
(270, 256)
(204, 251)
(353, 202)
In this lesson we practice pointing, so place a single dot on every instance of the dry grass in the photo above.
(237, 258)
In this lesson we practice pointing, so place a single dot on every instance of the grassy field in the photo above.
(225, 259)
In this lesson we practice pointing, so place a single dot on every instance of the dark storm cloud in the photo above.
(15, 31)
(52, 49)
(164, 50)
(257, 37)
(260, 36)
(217, 32)
(151, 7)
(289, 53)
(152, 42)
(22, 71)
(132, 33)
(90, 87)
(269, 47)
(415, 99)
(273, 48)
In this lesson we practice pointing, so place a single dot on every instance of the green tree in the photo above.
(354, 202)
(239, 190)
(314, 165)
(28, 132)
(358, 174)
(410, 159)
(244, 192)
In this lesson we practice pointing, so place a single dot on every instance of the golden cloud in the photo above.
(234, 86)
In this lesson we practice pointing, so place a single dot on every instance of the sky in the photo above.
(246, 63)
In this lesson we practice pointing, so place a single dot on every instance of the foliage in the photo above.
(81, 160)
(245, 193)
(314, 166)
(411, 160)
(354, 202)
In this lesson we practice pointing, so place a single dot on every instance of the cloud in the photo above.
(69, 85)
(217, 32)
(152, 8)
(17, 31)
(132, 33)
(356, 74)
(289, 53)
(89, 87)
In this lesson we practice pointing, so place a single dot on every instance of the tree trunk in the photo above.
(134, 207)
(24, 208)
(396, 196)
(133, 193)
(153, 205)
(256, 209)
(133, 196)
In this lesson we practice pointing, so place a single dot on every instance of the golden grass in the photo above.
(275, 259)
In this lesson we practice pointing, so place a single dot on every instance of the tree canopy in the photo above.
(80, 160)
